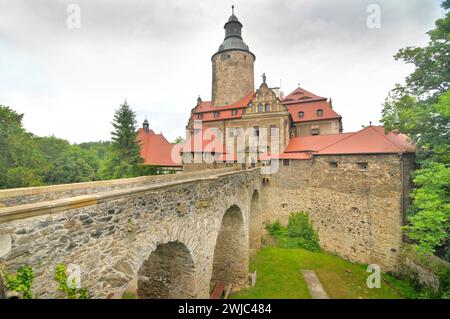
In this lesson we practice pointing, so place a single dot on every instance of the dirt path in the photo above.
(315, 287)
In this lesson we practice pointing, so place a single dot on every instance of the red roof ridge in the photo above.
(368, 141)
(386, 137)
(313, 97)
(350, 134)
(239, 104)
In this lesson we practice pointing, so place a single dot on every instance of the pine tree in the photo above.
(125, 156)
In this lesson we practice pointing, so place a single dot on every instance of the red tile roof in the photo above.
(370, 140)
(300, 95)
(207, 110)
(304, 101)
(204, 140)
(156, 150)
(310, 111)
(313, 143)
(296, 156)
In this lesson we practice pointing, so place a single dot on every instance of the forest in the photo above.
(29, 160)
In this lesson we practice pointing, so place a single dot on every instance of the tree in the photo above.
(124, 159)
(19, 159)
(179, 140)
(421, 109)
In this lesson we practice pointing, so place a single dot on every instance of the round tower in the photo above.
(232, 66)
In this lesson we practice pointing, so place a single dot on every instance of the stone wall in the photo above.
(358, 213)
(232, 77)
(110, 235)
(20, 196)
(324, 126)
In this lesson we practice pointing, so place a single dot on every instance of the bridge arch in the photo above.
(168, 273)
(230, 262)
(254, 223)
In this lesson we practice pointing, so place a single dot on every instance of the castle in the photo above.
(355, 186)
(174, 235)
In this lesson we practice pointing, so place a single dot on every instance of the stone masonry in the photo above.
(111, 235)
(199, 227)
(358, 213)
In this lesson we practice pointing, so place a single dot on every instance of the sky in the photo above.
(68, 78)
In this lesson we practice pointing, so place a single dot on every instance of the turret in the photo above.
(146, 126)
(232, 66)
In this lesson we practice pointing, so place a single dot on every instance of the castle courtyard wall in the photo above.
(358, 214)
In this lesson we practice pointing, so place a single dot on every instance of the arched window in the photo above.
(267, 107)
(260, 107)
(319, 112)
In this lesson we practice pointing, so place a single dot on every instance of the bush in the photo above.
(275, 228)
(21, 282)
(299, 233)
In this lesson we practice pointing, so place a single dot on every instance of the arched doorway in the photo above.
(255, 222)
(168, 273)
(230, 263)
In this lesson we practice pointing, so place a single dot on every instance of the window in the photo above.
(267, 107)
(260, 107)
(301, 114)
(319, 112)
(315, 131)
(273, 130)
(363, 167)
(285, 162)
(216, 114)
(233, 112)
(230, 131)
(199, 116)
(256, 130)
(333, 165)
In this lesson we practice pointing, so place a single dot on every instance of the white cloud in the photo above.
(157, 55)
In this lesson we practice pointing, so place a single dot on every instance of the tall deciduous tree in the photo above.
(421, 109)
(125, 159)
(19, 160)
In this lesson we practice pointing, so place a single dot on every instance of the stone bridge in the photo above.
(177, 234)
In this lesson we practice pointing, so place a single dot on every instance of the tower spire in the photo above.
(232, 9)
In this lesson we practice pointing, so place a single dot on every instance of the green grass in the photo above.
(279, 276)
(129, 295)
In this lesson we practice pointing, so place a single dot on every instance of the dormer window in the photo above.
(315, 131)
(319, 112)
(301, 114)
(216, 114)
(260, 107)
(233, 112)
(267, 107)
(199, 116)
